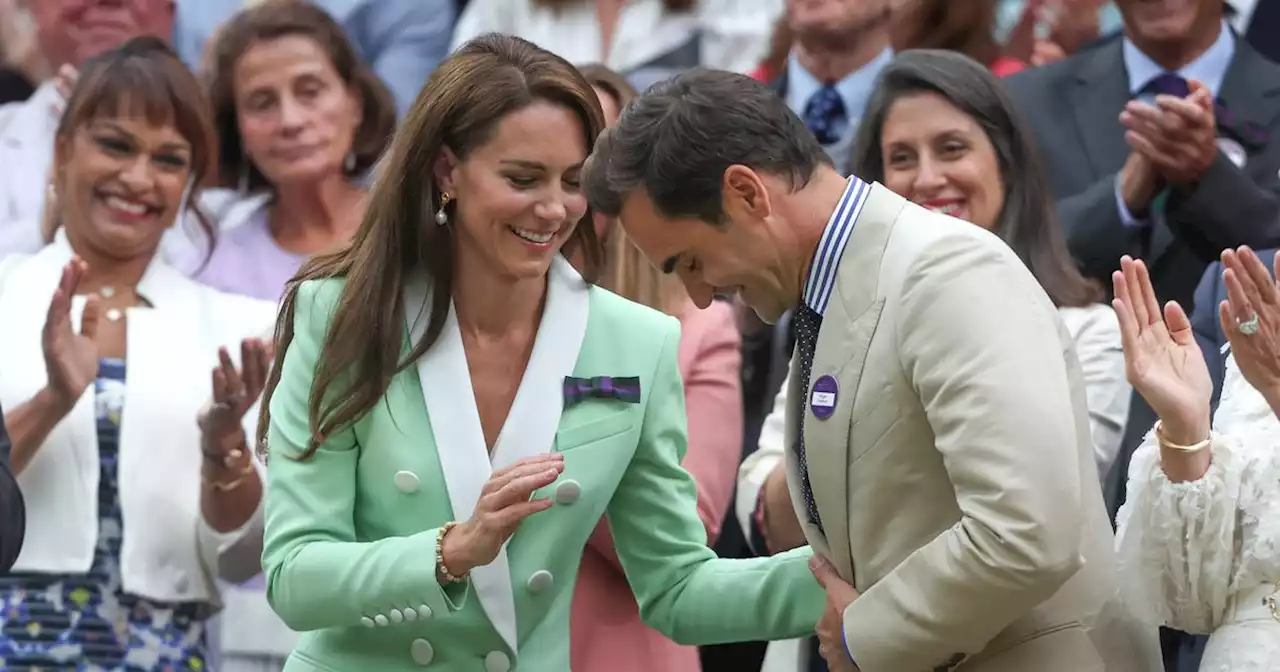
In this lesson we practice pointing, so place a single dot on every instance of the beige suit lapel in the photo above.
(850, 322)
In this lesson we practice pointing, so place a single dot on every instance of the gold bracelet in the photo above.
(441, 570)
(1166, 443)
(237, 482)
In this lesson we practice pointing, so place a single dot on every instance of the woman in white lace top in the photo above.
(1199, 537)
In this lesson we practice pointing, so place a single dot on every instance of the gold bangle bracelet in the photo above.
(235, 483)
(1166, 443)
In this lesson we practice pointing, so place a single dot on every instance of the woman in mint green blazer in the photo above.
(454, 408)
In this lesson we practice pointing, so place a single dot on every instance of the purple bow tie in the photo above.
(603, 387)
(1247, 132)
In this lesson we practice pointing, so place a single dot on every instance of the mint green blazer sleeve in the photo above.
(318, 574)
(683, 590)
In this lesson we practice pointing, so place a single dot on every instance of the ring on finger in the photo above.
(1250, 326)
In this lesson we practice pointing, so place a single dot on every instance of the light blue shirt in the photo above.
(401, 40)
(1210, 68)
(855, 90)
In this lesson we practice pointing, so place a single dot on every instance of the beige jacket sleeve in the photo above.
(980, 344)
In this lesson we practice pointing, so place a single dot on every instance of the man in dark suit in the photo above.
(13, 511)
(1179, 179)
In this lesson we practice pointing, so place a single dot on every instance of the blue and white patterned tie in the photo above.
(825, 115)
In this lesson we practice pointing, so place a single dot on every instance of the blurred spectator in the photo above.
(21, 63)
(1050, 30)
(645, 40)
(13, 511)
(68, 33)
(402, 41)
(965, 27)
(128, 522)
(301, 120)
(839, 49)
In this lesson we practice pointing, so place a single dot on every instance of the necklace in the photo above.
(112, 314)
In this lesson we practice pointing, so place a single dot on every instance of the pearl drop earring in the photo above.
(442, 217)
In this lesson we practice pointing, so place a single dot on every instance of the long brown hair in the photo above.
(485, 80)
(272, 20)
(144, 76)
(629, 274)
(966, 26)
(609, 81)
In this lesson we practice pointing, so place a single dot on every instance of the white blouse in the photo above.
(1204, 556)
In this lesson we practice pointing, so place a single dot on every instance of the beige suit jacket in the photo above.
(955, 479)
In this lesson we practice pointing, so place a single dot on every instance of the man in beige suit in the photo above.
(941, 459)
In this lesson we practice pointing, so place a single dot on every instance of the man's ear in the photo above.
(744, 195)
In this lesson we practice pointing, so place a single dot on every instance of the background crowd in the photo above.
(144, 246)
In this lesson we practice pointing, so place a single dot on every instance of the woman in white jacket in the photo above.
(130, 515)
(1199, 536)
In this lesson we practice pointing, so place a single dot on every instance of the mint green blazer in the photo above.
(351, 532)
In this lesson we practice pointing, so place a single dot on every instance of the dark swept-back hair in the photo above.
(676, 140)
(287, 18)
(459, 109)
(1028, 220)
(144, 77)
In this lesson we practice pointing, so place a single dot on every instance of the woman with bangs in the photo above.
(133, 508)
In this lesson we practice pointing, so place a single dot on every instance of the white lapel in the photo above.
(530, 427)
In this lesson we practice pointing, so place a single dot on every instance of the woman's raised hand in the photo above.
(70, 358)
(505, 501)
(1250, 318)
(234, 393)
(1162, 360)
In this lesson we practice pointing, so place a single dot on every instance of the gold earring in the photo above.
(442, 217)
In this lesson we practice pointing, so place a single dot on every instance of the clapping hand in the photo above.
(1250, 317)
(70, 358)
(1162, 360)
(234, 393)
(1178, 135)
(830, 628)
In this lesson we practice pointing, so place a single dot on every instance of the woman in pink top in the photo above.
(606, 633)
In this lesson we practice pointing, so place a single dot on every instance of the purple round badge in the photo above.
(823, 398)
